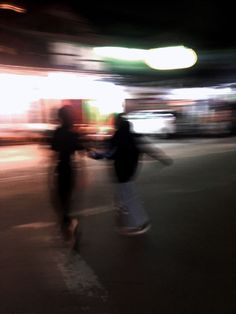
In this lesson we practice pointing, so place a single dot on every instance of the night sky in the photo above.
(203, 24)
(199, 24)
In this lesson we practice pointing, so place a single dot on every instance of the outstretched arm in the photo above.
(161, 156)
(156, 153)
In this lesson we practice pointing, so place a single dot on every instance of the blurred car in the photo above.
(153, 122)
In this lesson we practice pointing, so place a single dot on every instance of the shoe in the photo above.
(134, 231)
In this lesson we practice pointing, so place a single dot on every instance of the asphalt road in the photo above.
(186, 263)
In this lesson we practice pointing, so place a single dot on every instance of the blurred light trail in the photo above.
(18, 92)
(198, 93)
(170, 58)
(16, 8)
(127, 54)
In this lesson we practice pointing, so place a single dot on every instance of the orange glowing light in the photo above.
(16, 8)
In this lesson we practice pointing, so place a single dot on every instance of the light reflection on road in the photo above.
(38, 157)
(25, 156)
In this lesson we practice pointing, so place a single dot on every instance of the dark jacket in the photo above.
(65, 143)
(125, 153)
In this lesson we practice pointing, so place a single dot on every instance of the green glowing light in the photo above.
(168, 58)
(127, 54)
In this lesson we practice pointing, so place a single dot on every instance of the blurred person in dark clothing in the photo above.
(65, 142)
(125, 150)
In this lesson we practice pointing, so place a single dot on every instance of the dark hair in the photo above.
(65, 115)
(118, 120)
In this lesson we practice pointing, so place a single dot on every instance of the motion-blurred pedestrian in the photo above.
(65, 142)
(125, 150)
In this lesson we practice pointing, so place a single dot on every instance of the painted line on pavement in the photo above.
(78, 276)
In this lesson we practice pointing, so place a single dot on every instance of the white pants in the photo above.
(130, 212)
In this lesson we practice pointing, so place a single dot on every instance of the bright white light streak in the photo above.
(17, 92)
(107, 96)
(198, 93)
(222, 91)
(128, 54)
(170, 58)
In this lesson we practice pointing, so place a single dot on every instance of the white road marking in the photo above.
(78, 276)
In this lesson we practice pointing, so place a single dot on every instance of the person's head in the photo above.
(119, 120)
(65, 116)
(122, 125)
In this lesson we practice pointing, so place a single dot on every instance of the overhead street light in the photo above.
(168, 58)
(171, 58)
(121, 53)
